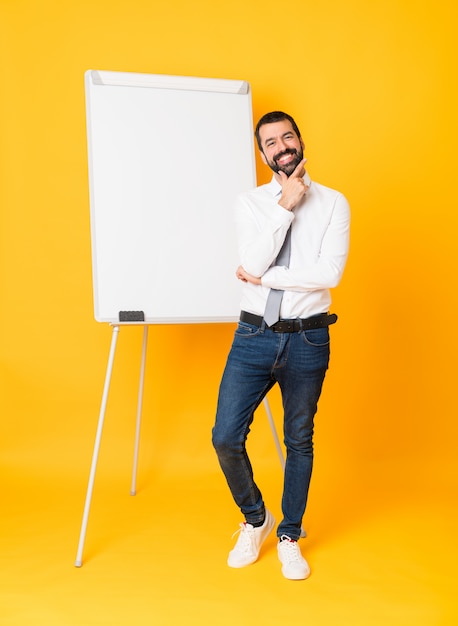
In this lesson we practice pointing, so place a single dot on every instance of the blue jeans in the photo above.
(258, 359)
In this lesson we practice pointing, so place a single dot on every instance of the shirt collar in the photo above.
(275, 186)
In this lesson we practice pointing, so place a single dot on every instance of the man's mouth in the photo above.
(285, 158)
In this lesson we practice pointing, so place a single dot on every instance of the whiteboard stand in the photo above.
(98, 438)
(134, 123)
(95, 454)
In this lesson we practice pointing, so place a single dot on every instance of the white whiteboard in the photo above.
(167, 157)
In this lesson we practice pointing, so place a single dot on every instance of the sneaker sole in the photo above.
(295, 576)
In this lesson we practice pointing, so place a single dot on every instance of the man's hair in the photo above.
(271, 118)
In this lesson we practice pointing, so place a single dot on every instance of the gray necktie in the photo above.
(272, 311)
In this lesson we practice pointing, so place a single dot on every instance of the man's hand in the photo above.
(245, 277)
(293, 187)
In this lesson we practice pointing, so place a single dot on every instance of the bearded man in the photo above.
(293, 237)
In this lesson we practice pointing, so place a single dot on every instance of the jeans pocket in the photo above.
(246, 330)
(318, 337)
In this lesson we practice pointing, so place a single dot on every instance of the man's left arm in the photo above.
(327, 270)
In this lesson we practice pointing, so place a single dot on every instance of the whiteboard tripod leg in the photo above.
(95, 454)
(274, 432)
(133, 489)
(277, 443)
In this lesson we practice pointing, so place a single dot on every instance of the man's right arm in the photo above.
(261, 226)
(263, 221)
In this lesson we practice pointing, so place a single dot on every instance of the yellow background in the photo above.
(373, 87)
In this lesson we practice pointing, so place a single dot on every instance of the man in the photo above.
(294, 351)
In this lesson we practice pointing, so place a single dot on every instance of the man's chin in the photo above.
(288, 170)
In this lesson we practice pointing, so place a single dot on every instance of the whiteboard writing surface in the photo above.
(167, 157)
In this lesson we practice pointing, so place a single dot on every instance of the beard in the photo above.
(289, 168)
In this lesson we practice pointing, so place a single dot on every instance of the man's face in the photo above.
(281, 147)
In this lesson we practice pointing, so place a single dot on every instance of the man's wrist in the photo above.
(285, 205)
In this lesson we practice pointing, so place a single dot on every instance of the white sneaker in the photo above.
(295, 567)
(249, 543)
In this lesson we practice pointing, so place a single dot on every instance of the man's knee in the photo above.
(224, 442)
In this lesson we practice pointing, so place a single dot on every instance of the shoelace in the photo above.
(291, 549)
(244, 540)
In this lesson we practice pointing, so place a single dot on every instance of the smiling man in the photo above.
(293, 237)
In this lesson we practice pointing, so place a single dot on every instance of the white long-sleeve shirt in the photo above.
(319, 247)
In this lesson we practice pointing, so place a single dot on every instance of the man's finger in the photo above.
(298, 172)
(283, 177)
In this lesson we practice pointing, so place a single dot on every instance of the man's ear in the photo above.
(263, 157)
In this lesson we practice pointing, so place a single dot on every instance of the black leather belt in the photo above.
(294, 325)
